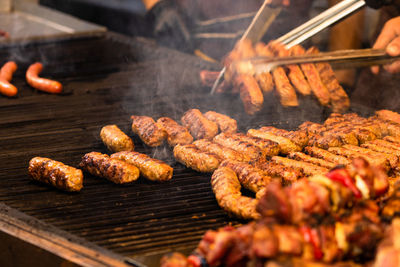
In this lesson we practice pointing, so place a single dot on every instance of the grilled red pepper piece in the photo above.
(311, 236)
(197, 261)
(343, 177)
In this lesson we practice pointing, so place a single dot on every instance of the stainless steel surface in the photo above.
(321, 22)
(340, 58)
(257, 28)
(29, 21)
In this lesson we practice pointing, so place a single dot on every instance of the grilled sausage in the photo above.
(392, 159)
(225, 123)
(287, 174)
(249, 176)
(250, 93)
(300, 137)
(308, 168)
(226, 188)
(115, 139)
(199, 126)
(313, 77)
(326, 155)
(102, 165)
(388, 115)
(150, 132)
(339, 99)
(176, 134)
(306, 158)
(6, 72)
(194, 158)
(42, 84)
(236, 143)
(55, 173)
(265, 80)
(285, 144)
(152, 169)
(220, 151)
(268, 147)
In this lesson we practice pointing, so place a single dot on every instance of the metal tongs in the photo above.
(338, 59)
(310, 28)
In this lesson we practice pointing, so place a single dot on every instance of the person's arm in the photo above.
(389, 39)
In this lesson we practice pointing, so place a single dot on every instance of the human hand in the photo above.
(389, 39)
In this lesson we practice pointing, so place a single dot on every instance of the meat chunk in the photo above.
(148, 130)
(225, 123)
(55, 173)
(199, 126)
(192, 157)
(152, 169)
(115, 139)
(114, 170)
(176, 134)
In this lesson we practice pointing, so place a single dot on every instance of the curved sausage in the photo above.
(115, 139)
(114, 170)
(55, 173)
(150, 132)
(152, 169)
(225, 123)
(6, 72)
(199, 126)
(42, 84)
(176, 133)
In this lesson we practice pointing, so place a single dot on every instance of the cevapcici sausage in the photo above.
(115, 139)
(56, 174)
(265, 79)
(176, 133)
(6, 72)
(150, 132)
(250, 93)
(42, 84)
(152, 169)
(194, 158)
(199, 126)
(268, 147)
(220, 151)
(114, 170)
(225, 123)
(285, 144)
(226, 188)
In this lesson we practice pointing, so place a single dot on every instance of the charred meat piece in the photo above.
(316, 161)
(199, 126)
(102, 165)
(222, 152)
(394, 140)
(250, 93)
(176, 134)
(238, 144)
(192, 157)
(388, 115)
(148, 130)
(345, 135)
(287, 174)
(325, 141)
(326, 155)
(340, 101)
(225, 123)
(268, 147)
(310, 71)
(265, 81)
(55, 173)
(152, 169)
(115, 139)
(312, 127)
(308, 168)
(285, 144)
(300, 138)
(226, 188)
(393, 159)
(285, 90)
(249, 176)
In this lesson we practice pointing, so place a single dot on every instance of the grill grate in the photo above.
(106, 80)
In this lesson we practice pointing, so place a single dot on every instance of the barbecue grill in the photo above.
(106, 79)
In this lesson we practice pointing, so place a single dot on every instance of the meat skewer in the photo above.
(194, 158)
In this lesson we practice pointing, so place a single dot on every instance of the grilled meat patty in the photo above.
(199, 126)
(176, 133)
(115, 139)
(148, 130)
(55, 173)
(194, 158)
(152, 169)
(102, 165)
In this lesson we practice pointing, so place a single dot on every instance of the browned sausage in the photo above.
(42, 84)
(176, 133)
(194, 158)
(250, 93)
(114, 170)
(152, 169)
(199, 126)
(6, 72)
(115, 139)
(225, 123)
(56, 174)
(150, 132)
(221, 151)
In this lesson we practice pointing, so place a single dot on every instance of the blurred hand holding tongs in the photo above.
(267, 14)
